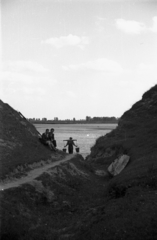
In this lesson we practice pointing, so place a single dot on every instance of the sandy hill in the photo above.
(136, 135)
(19, 142)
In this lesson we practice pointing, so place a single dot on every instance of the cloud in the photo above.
(70, 40)
(18, 84)
(24, 66)
(24, 79)
(154, 27)
(130, 27)
(134, 27)
(101, 64)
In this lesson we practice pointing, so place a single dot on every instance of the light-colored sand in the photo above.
(32, 174)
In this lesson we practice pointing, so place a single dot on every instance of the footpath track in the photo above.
(32, 174)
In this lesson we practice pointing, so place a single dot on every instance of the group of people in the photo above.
(47, 138)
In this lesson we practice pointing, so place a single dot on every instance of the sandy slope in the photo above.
(32, 174)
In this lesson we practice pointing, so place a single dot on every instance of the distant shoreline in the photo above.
(64, 122)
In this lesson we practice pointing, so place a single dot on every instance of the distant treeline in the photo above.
(102, 119)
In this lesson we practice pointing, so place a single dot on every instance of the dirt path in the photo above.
(32, 174)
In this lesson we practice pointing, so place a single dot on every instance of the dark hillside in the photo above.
(51, 206)
(18, 141)
(129, 210)
(136, 135)
(72, 201)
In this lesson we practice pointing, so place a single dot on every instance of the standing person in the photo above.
(70, 144)
(46, 140)
(52, 137)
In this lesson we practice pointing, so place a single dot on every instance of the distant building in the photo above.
(44, 119)
(56, 119)
(88, 118)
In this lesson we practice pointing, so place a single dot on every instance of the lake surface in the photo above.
(86, 134)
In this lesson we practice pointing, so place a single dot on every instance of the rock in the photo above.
(101, 173)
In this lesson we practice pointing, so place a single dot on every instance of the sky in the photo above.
(77, 58)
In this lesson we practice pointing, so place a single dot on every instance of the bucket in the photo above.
(77, 149)
(64, 149)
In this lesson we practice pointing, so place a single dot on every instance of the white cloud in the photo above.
(134, 27)
(130, 27)
(101, 64)
(24, 66)
(154, 27)
(21, 85)
(24, 79)
(70, 40)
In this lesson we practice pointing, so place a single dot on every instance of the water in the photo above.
(86, 134)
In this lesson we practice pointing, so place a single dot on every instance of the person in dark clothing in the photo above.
(46, 140)
(45, 136)
(52, 137)
(70, 144)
